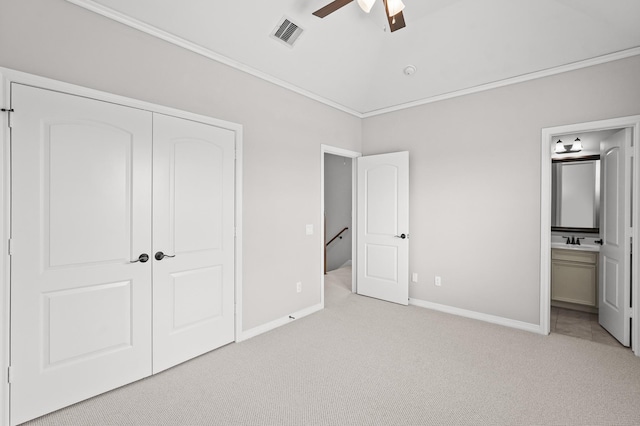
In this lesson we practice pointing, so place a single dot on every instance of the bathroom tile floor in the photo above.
(580, 324)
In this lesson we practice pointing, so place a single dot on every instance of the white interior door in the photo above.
(614, 265)
(81, 212)
(383, 227)
(193, 216)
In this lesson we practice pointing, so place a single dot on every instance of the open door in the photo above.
(615, 277)
(383, 227)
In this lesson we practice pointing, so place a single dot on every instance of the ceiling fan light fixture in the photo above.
(366, 5)
(393, 10)
(394, 7)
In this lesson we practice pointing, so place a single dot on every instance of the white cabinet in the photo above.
(574, 277)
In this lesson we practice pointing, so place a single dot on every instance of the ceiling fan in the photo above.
(392, 7)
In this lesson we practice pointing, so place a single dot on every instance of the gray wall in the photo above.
(283, 132)
(475, 160)
(337, 205)
(475, 181)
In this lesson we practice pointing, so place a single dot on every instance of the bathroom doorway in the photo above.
(568, 249)
(575, 235)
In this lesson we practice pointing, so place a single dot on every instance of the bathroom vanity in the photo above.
(574, 277)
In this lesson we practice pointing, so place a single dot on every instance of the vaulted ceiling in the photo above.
(351, 61)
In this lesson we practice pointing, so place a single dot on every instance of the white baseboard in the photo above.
(347, 263)
(520, 325)
(253, 332)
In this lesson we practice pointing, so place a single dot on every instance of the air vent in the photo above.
(286, 31)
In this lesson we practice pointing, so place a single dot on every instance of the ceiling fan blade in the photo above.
(331, 7)
(396, 22)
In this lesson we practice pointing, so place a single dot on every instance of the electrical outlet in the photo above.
(414, 277)
(299, 287)
(438, 281)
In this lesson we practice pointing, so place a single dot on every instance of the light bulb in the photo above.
(366, 5)
(577, 145)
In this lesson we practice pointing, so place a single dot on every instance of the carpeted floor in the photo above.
(362, 361)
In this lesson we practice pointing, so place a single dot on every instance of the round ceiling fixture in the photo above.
(409, 70)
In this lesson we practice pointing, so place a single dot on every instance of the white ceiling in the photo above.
(350, 60)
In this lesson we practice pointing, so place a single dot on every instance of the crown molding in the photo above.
(200, 50)
(513, 80)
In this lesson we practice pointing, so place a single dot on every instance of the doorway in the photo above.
(338, 203)
(339, 250)
(380, 206)
(576, 234)
(550, 137)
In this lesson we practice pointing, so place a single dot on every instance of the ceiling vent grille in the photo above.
(287, 32)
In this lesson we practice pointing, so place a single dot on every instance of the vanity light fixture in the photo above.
(562, 148)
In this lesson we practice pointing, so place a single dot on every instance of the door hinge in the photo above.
(10, 247)
(10, 375)
(9, 115)
(628, 312)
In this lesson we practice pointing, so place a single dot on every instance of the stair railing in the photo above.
(338, 235)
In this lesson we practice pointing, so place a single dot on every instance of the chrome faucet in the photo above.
(573, 240)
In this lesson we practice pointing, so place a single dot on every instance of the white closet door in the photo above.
(81, 212)
(193, 217)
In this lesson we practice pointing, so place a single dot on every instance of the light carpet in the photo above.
(362, 361)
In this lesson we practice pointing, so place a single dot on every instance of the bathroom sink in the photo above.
(582, 247)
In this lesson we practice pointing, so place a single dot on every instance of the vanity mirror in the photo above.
(575, 194)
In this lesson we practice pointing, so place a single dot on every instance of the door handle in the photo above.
(160, 255)
(598, 241)
(142, 258)
(403, 236)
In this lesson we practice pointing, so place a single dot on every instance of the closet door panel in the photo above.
(193, 205)
(198, 188)
(81, 212)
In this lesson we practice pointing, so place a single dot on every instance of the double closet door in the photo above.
(122, 246)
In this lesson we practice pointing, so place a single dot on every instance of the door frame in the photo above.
(327, 149)
(8, 76)
(547, 148)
